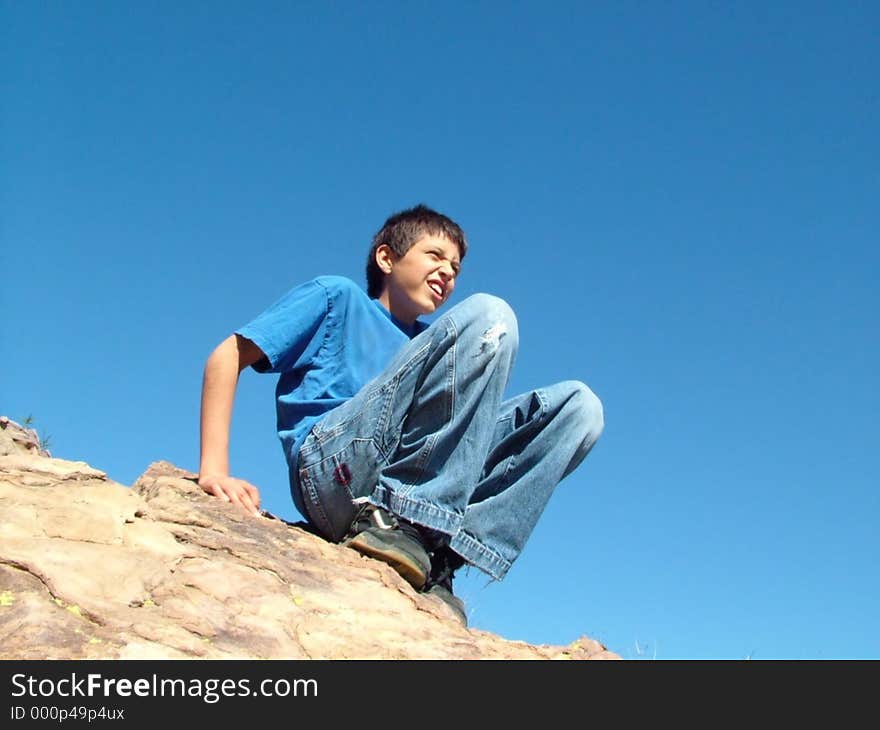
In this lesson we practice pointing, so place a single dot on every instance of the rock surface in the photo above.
(92, 569)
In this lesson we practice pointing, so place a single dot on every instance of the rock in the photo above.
(16, 439)
(92, 569)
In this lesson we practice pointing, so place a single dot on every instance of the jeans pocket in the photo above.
(331, 483)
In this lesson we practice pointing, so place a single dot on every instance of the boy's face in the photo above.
(421, 280)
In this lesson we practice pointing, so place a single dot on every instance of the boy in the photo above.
(397, 440)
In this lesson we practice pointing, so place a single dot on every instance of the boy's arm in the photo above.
(222, 369)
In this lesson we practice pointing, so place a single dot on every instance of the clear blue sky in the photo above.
(679, 200)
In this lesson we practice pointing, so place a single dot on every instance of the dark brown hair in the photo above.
(402, 230)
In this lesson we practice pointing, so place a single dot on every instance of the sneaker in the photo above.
(444, 563)
(379, 534)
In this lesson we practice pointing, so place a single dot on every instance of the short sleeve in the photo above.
(285, 331)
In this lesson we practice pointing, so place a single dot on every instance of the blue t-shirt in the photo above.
(327, 339)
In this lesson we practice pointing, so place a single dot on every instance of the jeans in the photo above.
(431, 440)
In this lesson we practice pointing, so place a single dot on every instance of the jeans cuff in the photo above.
(419, 513)
(449, 523)
(479, 555)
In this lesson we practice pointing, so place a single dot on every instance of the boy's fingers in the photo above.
(216, 490)
(244, 500)
(253, 492)
(250, 495)
(237, 491)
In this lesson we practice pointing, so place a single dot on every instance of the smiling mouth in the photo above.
(436, 288)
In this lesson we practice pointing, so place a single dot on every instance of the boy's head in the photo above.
(416, 251)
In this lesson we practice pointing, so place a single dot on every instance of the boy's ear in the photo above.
(385, 258)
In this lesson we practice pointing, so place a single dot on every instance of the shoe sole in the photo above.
(406, 566)
(451, 601)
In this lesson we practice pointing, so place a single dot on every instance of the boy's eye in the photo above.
(438, 256)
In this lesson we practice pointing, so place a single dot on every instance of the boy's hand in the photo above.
(241, 493)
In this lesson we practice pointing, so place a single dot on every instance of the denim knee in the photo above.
(586, 408)
(492, 317)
